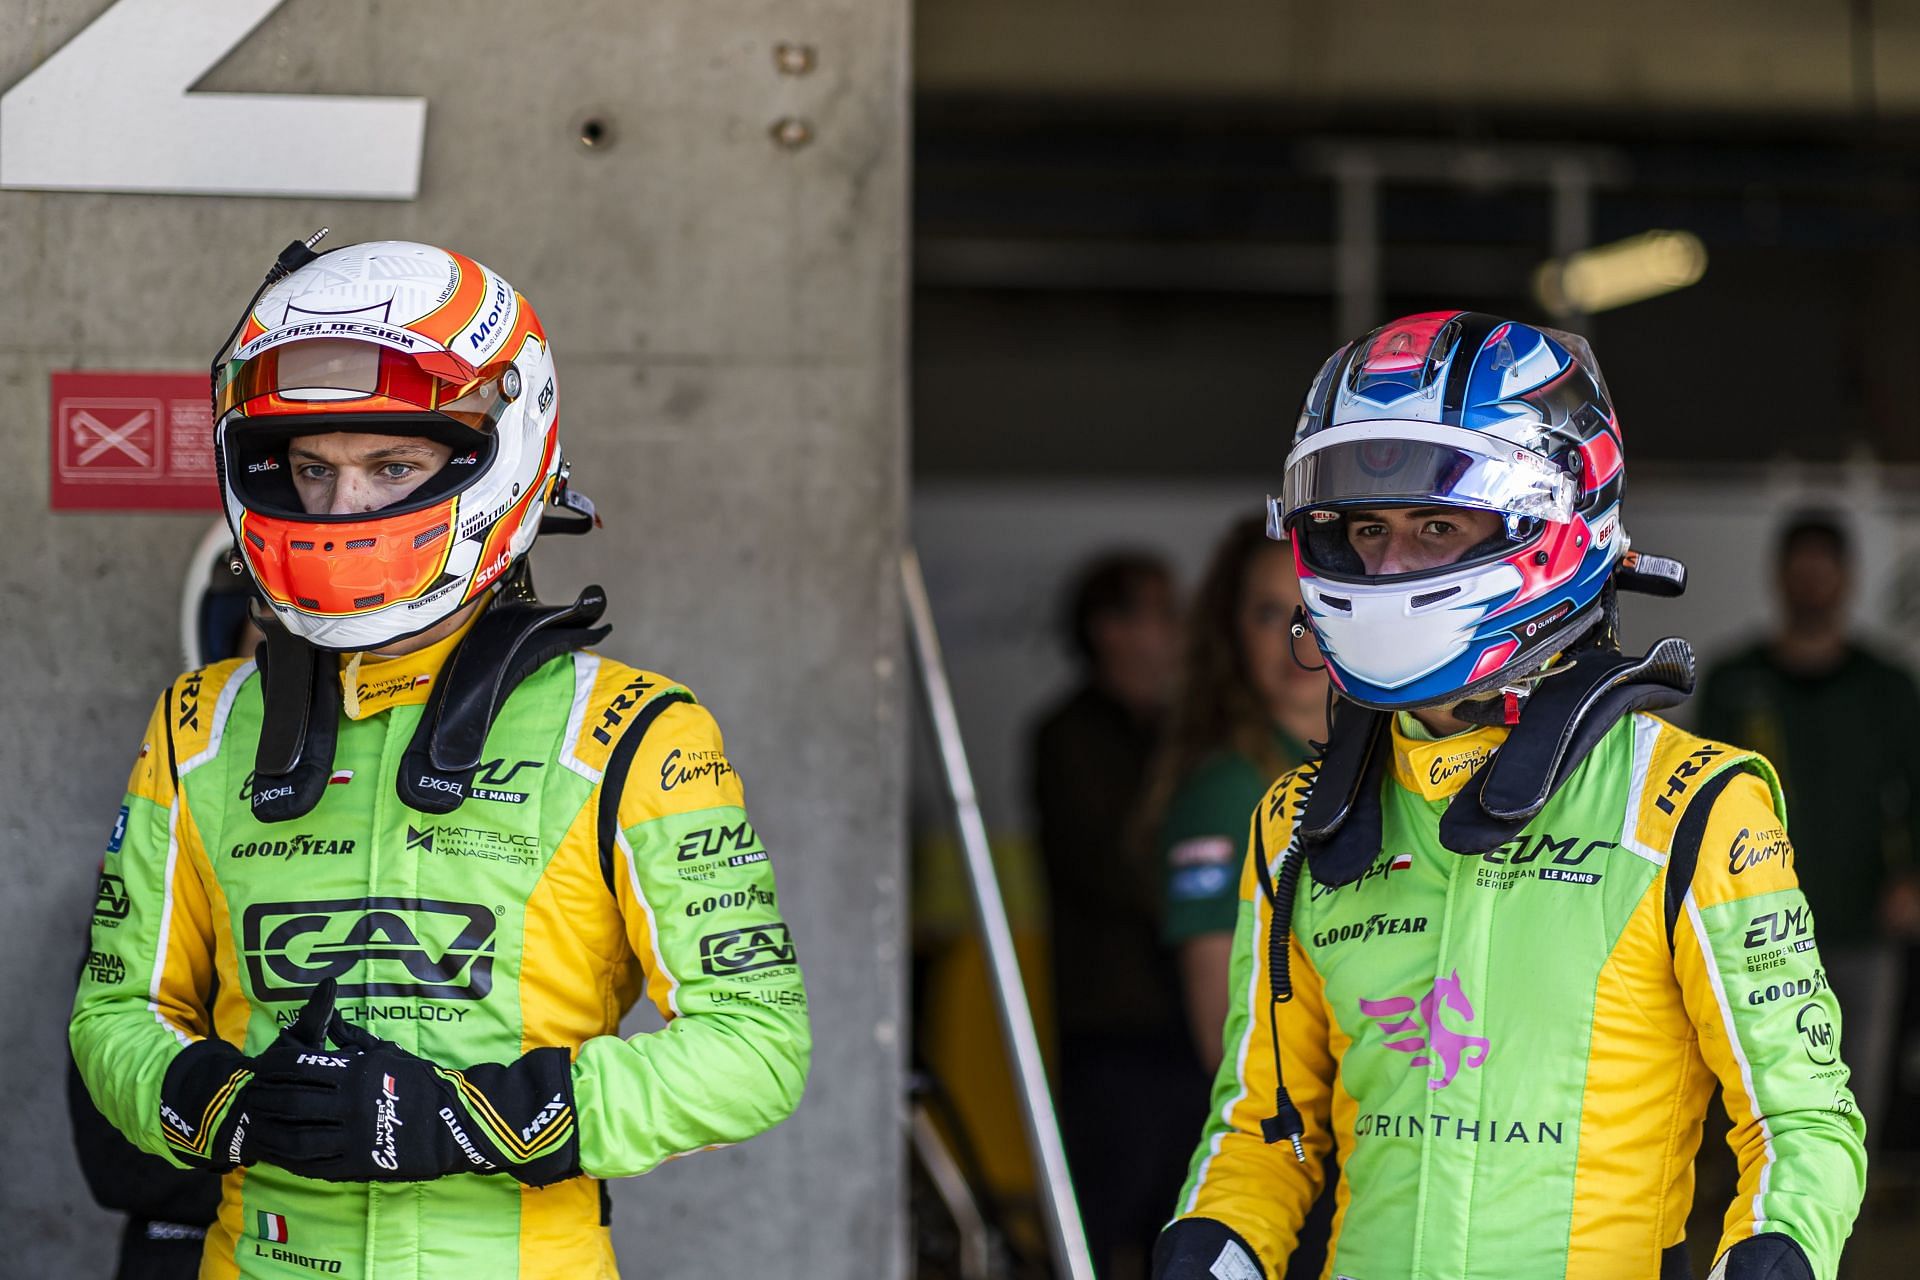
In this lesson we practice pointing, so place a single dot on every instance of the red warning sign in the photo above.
(132, 442)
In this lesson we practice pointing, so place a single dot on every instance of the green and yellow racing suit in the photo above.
(1513, 1052)
(470, 937)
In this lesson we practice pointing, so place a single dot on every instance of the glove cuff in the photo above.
(1767, 1256)
(1203, 1249)
(522, 1116)
(199, 1096)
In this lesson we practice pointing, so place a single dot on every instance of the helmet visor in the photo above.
(1422, 462)
(342, 376)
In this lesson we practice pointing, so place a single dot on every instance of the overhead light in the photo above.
(1613, 275)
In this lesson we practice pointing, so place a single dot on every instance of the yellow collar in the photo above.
(1436, 768)
(370, 684)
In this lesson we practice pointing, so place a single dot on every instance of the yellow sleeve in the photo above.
(1258, 1188)
(144, 989)
(1757, 993)
(696, 893)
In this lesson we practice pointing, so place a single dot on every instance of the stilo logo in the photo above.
(467, 461)
(420, 947)
(269, 464)
(494, 570)
(1427, 1036)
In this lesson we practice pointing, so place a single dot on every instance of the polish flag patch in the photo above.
(273, 1227)
(1400, 862)
(340, 776)
(421, 680)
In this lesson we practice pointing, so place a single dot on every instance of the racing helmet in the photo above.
(1466, 410)
(385, 337)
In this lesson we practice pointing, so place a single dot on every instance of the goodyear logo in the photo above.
(421, 947)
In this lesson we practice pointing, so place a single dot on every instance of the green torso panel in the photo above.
(1463, 989)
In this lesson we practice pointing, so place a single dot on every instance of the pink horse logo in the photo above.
(1396, 1018)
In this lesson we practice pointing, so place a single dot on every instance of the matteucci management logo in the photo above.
(421, 947)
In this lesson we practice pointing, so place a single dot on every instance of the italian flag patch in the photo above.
(273, 1227)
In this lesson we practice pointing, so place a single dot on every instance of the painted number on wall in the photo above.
(110, 111)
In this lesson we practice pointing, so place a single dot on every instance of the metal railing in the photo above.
(1071, 1257)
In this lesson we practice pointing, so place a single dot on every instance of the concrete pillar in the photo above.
(722, 275)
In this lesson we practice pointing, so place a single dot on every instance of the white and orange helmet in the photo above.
(404, 339)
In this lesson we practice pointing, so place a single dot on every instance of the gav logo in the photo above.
(760, 946)
(1427, 1036)
(421, 947)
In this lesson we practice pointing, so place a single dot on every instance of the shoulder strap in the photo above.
(512, 639)
(1684, 855)
(613, 780)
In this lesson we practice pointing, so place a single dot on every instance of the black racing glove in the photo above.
(203, 1095)
(369, 1111)
(1204, 1249)
(1767, 1256)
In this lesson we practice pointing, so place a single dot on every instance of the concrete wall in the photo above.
(727, 315)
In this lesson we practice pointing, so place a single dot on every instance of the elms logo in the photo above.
(418, 947)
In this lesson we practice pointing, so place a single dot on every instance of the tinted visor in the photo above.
(334, 384)
(1406, 463)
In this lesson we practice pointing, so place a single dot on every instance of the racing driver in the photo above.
(1498, 944)
(389, 889)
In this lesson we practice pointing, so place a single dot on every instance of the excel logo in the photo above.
(737, 951)
(420, 947)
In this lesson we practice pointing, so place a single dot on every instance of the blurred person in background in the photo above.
(1836, 718)
(1121, 1039)
(1498, 941)
(1246, 710)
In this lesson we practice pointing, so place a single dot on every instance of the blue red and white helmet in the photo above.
(1458, 409)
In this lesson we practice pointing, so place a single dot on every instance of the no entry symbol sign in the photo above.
(131, 442)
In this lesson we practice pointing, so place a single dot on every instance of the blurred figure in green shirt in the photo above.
(1834, 718)
(1244, 715)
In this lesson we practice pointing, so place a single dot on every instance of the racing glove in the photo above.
(369, 1111)
(202, 1096)
(1204, 1249)
(1767, 1256)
